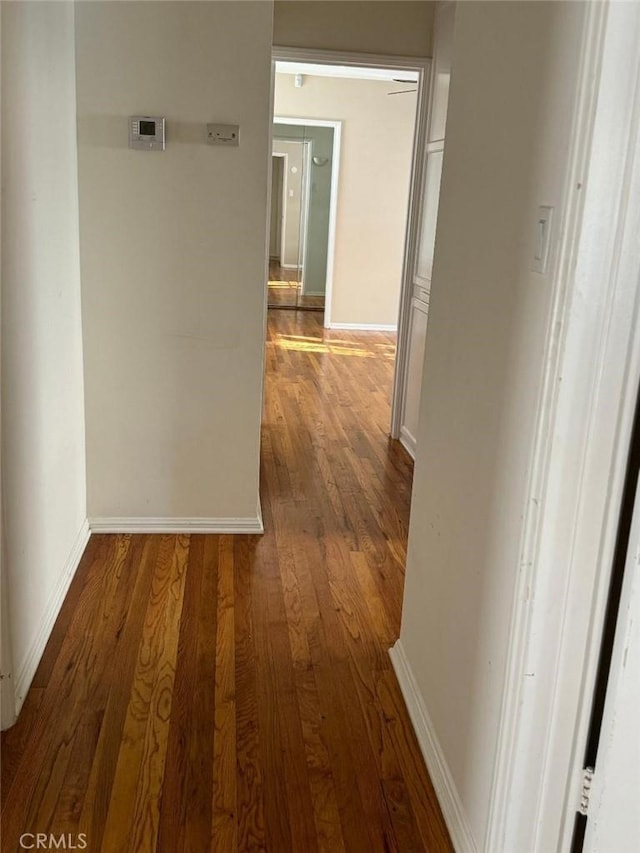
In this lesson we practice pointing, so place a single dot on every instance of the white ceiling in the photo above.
(345, 71)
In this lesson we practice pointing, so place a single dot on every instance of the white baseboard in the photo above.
(448, 797)
(26, 671)
(364, 327)
(407, 441)
(128, 524)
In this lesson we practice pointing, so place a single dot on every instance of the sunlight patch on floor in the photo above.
(300, 343)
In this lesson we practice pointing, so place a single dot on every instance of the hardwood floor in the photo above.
(234, 693)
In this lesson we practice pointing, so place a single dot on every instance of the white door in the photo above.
(412, 368)
(613, 820)
(417, 337)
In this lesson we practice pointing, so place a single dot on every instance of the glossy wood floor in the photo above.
(234, 693)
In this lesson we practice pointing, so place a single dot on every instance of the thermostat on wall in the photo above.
(146, 133)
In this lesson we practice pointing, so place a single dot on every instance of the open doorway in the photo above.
(348, 203)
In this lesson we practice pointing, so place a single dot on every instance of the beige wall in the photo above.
(173, 256)
(373, 187)
(43, 457)
(508, 130)
(369, 26)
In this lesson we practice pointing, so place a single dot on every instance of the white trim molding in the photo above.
(364, 327)
(27, 669)
(412, 239)
(349, 72)
(143, 524)
(7, 681)
(580, 455)
(345, 57)
(439, 772)
(260, 524)
(407, 441)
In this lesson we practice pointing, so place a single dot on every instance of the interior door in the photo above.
(416, 333)
(419, 309)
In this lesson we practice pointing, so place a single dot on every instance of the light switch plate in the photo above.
(223, 134)
(542, 240)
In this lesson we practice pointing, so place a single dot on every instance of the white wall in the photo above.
(173, 257)
(391, 27)
(373, 189)
(508, 128)
(43, 459)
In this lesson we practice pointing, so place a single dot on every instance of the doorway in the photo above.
(366, 253)
(359, 272)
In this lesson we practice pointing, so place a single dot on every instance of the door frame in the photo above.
(579, 459)
(422, 66)
(611, 800)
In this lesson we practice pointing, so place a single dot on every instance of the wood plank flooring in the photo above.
(234, 693)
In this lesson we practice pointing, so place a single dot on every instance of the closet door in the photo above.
(429, 217)
(423, 261)
(413, 376)
(419, 311)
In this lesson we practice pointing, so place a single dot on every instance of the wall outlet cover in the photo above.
(223, 134)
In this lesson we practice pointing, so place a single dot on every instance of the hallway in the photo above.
(234, 693)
